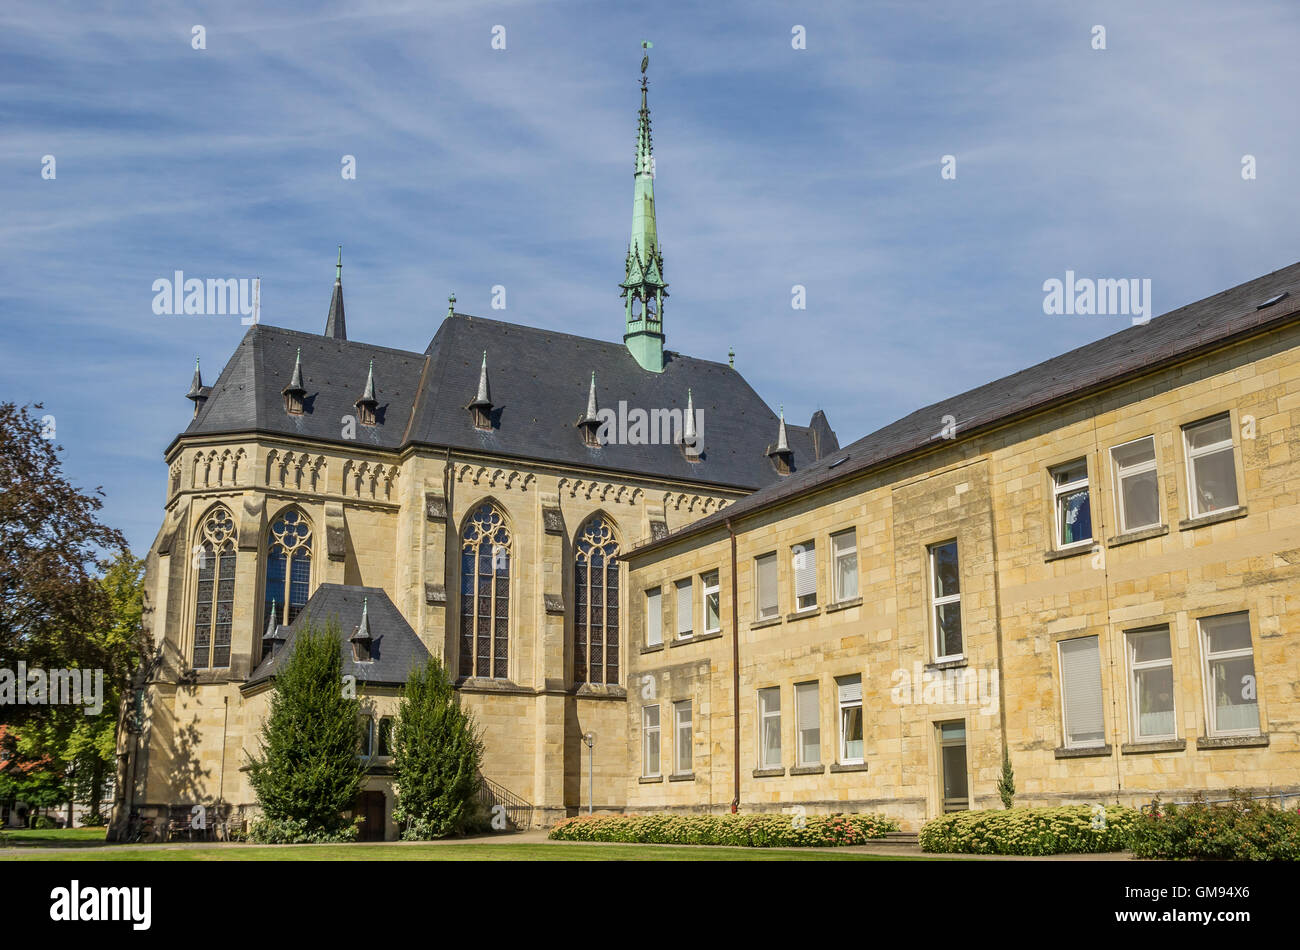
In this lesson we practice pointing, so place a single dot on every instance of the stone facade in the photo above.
(1020, 597)
(394, 522)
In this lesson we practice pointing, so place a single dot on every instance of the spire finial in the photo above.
(451, 310)
(484, 397)
(781, 444)
(688, 424)
(335, 325)
(731, 357)
(643, 286)
(591, 400)
(363, 628)
(196, 394)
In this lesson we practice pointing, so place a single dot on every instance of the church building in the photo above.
(472, 501)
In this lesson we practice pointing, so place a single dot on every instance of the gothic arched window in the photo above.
(485, 594)
(214, 556)
(595, 603)
(288, 567)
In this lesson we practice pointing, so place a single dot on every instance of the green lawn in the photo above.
(51, 837)
(468, 851)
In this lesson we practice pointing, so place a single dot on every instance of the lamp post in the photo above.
(590, 740)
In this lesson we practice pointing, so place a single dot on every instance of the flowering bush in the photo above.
(1240, 830)
(746, 831)
(1083, 829)
(297, 831)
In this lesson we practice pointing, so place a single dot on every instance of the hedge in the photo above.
(1077, 829)
(1240, 830)
(746, 831)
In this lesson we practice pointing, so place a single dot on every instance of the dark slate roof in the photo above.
(540, 381)
(1175, 336)
(395, 649)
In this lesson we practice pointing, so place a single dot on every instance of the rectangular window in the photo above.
(654, 617)
(1211, 467)
(809, 723)
(1081, 704)
(712, 621)
(386, 736)
(769, 715)
(684, 608)
(952, 761)
(850, 689)
(1071, 503)
(1151, 684)
(765, 581)
(649, 741)
(1137, 493)
(844, 550)
(366, 735)
(945, 591)
(1229, 675)
(682, 737)
(804, 559)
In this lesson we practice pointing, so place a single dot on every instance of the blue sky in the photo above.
(478, 167)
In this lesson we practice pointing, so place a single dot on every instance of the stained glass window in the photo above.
(288, 568)
(595, 603)
(214, 558)
(485, 595)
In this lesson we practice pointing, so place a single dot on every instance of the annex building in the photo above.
(1090, 567)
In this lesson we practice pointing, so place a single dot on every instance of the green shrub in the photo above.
(1081, 829)
(44, 821)
(746, 831)
(297, 831)
(436, 759)
(306, 772)
(1239, 830)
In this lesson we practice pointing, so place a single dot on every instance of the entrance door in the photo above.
(952, 765)
(370, 807)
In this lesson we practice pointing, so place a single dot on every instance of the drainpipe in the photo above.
(735, 677)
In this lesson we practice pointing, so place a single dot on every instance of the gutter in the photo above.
(735, 678)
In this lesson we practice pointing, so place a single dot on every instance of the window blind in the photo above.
(805, 571)
(654, 617)
(1081, 685)
(767, 605)
(684, 607)
(850, 689)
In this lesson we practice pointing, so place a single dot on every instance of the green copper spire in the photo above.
(643, 285)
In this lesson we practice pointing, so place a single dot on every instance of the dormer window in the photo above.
(589, 423)
(480, 410)
(295, 392)
(367, 406)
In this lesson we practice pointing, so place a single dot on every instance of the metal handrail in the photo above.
(519, 813)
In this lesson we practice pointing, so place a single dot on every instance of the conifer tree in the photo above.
(1007, 782)
(308, 770)
(436, 758)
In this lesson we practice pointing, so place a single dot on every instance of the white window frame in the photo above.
(845, 705)
(765, 722)
(758, 589)
(707, 589)
(689, 612)
(681, 745)
(838, 596)
(808, 548)
(802, 689)
(654, 637)
(1121, 518)
(1135, 667)
(1207, 681)
(646, 731)
(1070, 488)
(936, 602)
(1190, 455)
